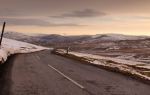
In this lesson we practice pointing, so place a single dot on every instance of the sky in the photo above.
(76, 17)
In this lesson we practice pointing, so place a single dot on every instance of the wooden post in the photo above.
(3, 29)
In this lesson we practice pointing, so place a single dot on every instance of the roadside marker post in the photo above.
(3, 29)
(68, 48)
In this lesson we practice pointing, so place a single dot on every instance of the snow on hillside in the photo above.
(117, 37)
(10, 47)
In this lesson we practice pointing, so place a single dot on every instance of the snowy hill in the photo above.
(135, 48)
(55, 38)
(117, 37)
(10, 47)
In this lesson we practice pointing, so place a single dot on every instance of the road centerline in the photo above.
(68, 78)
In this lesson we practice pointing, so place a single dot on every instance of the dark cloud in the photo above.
(66, 24)
(25, 22)
(53, 7)
(81, 14)
(65, 8)
(34, 22)
(8, 12)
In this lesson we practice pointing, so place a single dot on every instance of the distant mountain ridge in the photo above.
(107, 37)
(55, 39)
(112, 45)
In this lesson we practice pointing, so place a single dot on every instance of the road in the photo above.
(43, 73)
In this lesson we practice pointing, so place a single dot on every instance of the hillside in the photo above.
(113, 45)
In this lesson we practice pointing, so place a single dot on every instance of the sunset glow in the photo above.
(77, 17)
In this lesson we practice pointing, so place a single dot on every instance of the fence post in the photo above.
(3, 29)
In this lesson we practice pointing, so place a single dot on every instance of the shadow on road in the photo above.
(5, 76)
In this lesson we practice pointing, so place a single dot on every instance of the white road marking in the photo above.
(74, 82)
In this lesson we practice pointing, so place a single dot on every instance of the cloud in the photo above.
(25, 22)
(81, 14)
(130, 18)
(35, 22)
(141, 17)
(66, 24)
(49, 7)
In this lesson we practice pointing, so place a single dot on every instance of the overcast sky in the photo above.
(76, 17)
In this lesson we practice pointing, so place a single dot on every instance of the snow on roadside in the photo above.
(128, 62)
(117, 60)
(10, 47)
(136, 69)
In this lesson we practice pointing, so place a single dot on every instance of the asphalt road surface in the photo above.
(43, 73)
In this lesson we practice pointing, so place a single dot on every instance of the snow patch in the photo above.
(117, 37)
(136, 69)
(10, 47)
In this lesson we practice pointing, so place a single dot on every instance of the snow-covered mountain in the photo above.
(86, 41)
(114, 45)
(80, 38)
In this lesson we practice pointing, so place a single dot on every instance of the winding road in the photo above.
(42, 73)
